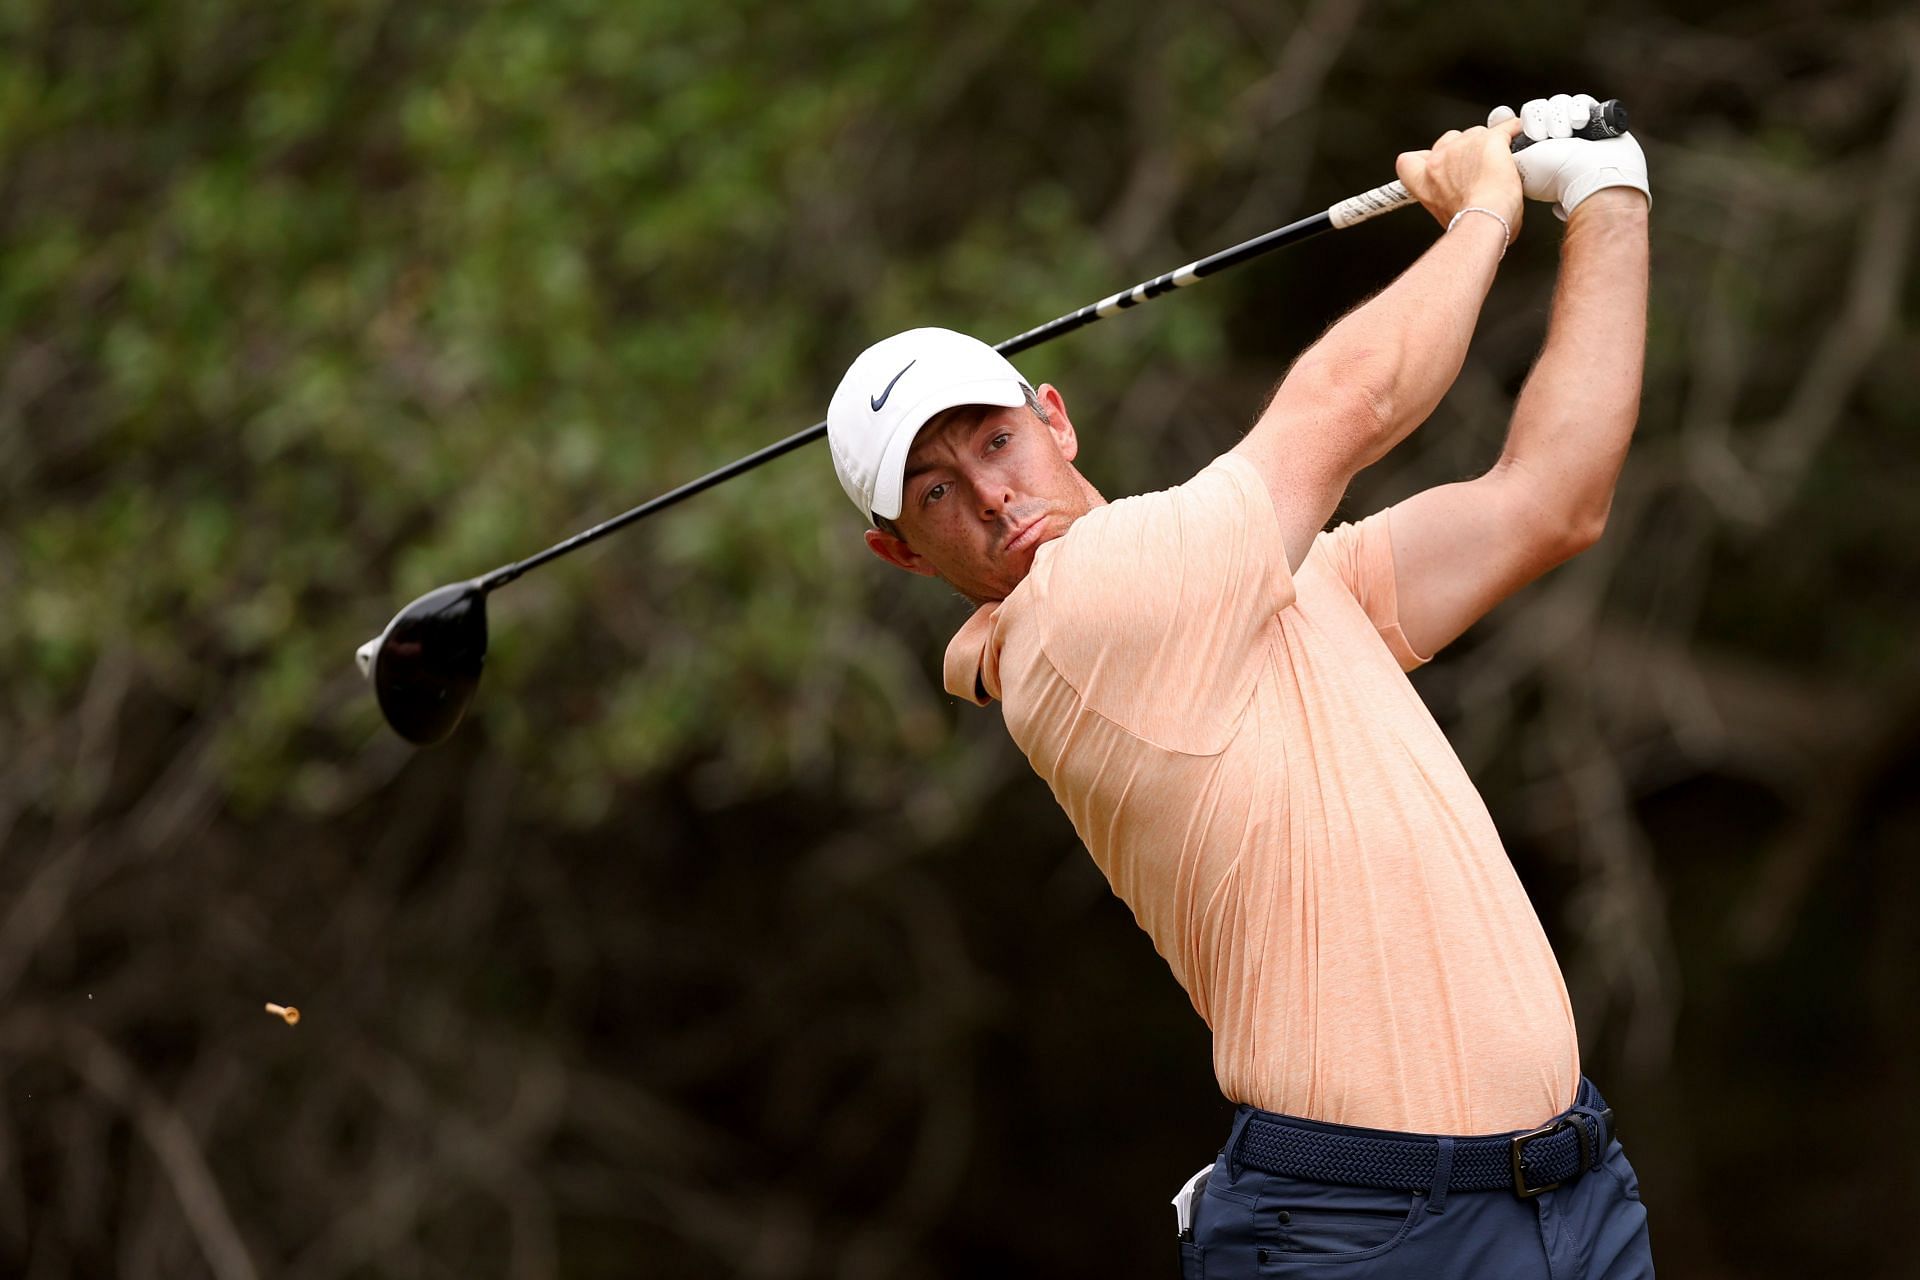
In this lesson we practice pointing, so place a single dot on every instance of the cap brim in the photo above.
(889, 482)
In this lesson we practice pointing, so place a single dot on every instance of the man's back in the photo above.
(1241, 753)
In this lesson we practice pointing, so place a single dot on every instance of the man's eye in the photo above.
(1000, 440)
(932, 495)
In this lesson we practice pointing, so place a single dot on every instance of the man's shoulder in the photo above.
(1155, 608)
(1220, 491)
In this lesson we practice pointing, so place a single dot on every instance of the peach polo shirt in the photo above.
(1240, 750)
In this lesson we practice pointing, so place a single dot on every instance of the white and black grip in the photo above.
(1609, 120)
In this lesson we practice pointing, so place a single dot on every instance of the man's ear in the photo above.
(1057, 420)
(896, 552)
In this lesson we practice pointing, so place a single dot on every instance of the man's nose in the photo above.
(988, 490)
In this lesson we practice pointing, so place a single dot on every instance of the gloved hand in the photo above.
(1565, 169)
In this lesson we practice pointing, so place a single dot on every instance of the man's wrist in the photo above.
(1612, 211)
(1479, 214)
(1613, 202)
(1503, 198)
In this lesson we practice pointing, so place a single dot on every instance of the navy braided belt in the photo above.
(1524, 1163)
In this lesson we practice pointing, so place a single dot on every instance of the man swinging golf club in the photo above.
(1214, 689)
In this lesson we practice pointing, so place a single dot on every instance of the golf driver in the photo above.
(426, 665)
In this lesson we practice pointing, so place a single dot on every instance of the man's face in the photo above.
(985, 488)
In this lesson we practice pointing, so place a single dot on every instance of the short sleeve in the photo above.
(1361, 556)
(1154, 607)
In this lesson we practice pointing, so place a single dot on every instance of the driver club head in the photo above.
(426, 664)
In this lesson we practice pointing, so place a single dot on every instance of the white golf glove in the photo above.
(1566, 169)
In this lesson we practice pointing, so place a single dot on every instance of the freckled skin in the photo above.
(986, 487)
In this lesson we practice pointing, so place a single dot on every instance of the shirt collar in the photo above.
(972, 666)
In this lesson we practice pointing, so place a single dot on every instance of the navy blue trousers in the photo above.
(1248, 1224)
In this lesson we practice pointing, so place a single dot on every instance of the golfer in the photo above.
(1212, 683)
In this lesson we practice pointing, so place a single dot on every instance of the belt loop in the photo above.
(1242, 1114)
(1442, 1176)
(1596, 1149)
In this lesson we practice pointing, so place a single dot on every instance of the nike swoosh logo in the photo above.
(877, 401)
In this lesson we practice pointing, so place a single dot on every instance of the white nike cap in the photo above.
(888, 394)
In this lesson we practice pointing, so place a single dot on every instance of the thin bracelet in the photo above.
(1474, 208)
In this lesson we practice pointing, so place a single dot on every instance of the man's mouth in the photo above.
(1024, 536)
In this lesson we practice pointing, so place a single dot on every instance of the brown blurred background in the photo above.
(719, 941)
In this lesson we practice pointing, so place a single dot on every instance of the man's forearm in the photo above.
(1576, 414)
(1376, 374)
(1403, 348)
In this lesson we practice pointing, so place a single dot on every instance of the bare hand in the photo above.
(1462, 169)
